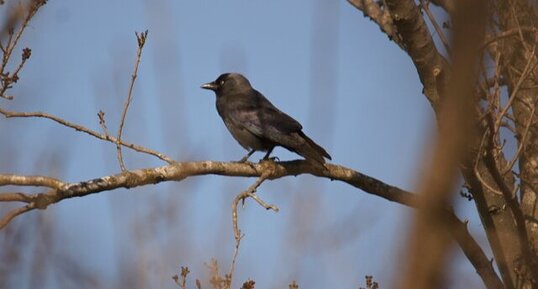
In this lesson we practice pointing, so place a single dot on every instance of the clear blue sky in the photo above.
(355, 92)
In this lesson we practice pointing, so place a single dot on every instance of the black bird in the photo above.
(256, 123)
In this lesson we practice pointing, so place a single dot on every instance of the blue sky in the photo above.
(355, 92)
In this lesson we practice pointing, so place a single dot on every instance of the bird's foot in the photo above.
(272, 159)
(243, 159)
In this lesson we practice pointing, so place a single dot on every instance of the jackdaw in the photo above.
(256, 123)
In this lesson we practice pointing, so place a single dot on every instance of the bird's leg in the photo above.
(266, 157)
(245, 158)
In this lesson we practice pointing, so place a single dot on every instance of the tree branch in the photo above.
(511, 201)
(380, 16)
(141, 39)
(30, 181)
(105, 137)
(183, 170)
(429, 239)
(416, 38)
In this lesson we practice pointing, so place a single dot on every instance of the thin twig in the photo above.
(522, 78)
(521, 142)
(234, 257)
(14, 213)
(510, 199)
(508, 33)
(102, 122)
(263, 203)
(77, 127)
(519, 30)
(15, 197)
(250, 192)
(478, 158)
(141, 38)
(8, 80)
(12, 43)
(425, 6)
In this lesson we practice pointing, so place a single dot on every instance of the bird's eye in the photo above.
(221, 82)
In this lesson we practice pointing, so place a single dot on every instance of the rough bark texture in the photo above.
(519, 52)
(509, 61)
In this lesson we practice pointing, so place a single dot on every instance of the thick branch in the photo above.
(382, 17)
(180, 171)
(31, 181)
(418, 43)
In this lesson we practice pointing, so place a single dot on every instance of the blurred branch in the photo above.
(509, 33)
(270, 171)
(141, 39)
(429, 240)
(77, 127)
(18, 13)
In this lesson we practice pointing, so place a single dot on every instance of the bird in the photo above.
(257, 124)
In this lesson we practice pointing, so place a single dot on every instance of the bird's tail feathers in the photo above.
(312, 150)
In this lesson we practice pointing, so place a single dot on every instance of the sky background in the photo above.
(354, 91)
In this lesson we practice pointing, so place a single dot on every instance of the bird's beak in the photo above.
(209, 85)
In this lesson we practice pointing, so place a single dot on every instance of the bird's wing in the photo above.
(262, 118)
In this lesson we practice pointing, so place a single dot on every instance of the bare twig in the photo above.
(6, 78)
(183, 282)
(234, 257)
(521, 142)
(511, 201)
(509, 33)
(519, 30)
(141, 38)
(522, 78)
(15, 197)
(250, 192)
(102, 122)
(14, 213)
(477, 161)
(77, 127)
(512, 32)
(425, 6)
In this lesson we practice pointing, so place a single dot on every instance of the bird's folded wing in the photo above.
(265, 122)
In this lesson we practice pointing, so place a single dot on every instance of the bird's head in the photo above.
(228, 83)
